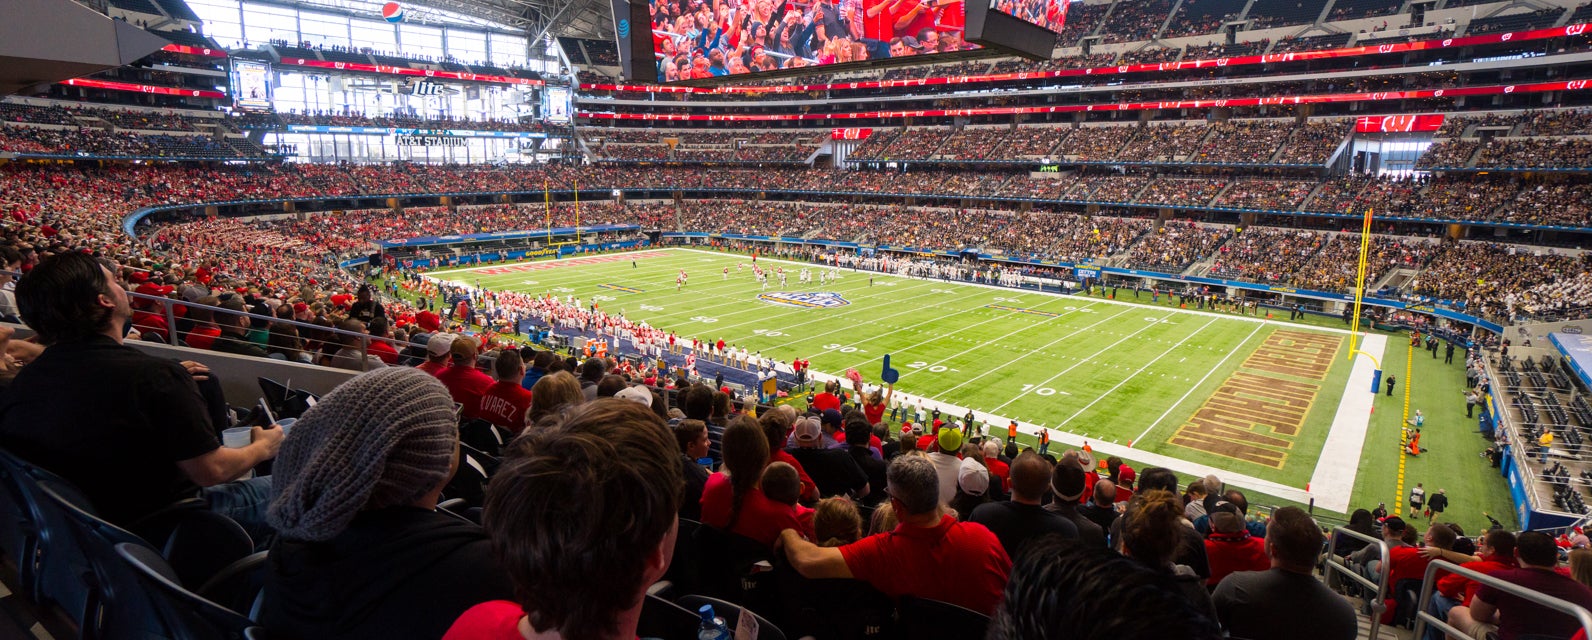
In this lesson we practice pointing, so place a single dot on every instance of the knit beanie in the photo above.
(382, 439)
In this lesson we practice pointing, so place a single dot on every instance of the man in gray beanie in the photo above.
(363, 553)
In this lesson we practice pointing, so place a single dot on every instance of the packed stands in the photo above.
(1265, 255)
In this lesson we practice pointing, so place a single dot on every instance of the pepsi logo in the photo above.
(392, 12)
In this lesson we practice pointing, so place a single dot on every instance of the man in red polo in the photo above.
(928, 555)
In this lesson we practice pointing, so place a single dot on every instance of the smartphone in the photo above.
(458, 409)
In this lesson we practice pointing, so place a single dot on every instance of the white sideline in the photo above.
(1333, 482)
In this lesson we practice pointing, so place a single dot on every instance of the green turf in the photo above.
(1114, 372)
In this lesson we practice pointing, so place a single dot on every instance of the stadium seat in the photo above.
(726, 563)
(924, 618)
(732, 615)
(57, 565)
(201, 542)
(483, 435)
(663, 619)
(839, 609)
(469, 482)
(683, 572)
(184, 614)
(117, 605)
(18, 534)
(239, 587)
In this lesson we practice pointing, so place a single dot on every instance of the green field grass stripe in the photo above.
(1138, 371)
(1196, 386)
(1031, 352)
(947, 334)
(1080, 363)
(1003, 307)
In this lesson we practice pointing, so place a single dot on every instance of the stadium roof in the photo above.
(539, 18)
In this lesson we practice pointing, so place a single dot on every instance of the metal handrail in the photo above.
(1379, 603)
(1422, 617)
(169, 305)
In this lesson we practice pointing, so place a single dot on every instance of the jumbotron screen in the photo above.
(696, 39)
(1046, 14)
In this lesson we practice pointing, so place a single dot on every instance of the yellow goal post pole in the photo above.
(1359, 285)
(547, 207)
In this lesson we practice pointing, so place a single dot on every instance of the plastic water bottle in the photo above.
(712, 628)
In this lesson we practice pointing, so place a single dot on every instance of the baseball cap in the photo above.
(1394, 523)
(832, 418)
(972, 477)
(1125, 474)
(911, 42)
(440, 344)
(950, 441)
(152, 289)
(1226, 518)
(807, 430)
(638, 395)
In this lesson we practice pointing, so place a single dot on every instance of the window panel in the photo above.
(420, 41)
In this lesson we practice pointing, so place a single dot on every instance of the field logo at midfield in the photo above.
(805, 300)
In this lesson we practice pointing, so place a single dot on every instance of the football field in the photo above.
(1189, 389)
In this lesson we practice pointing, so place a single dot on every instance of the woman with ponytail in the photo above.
(733, 501)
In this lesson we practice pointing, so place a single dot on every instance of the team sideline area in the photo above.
(805, 319)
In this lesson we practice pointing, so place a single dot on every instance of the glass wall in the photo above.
(236, 24)
(322, 147)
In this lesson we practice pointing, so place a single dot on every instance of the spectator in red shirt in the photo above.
(1496, 552)
(776, 428)
(829, 398)
(928, 555)
(437, 348)
(464, 382)
(204, 331)
(733, 498)
(148, 318)
(505, 402)
(1515, 618)
(381, 348)
(1229, 547)
(616, 460)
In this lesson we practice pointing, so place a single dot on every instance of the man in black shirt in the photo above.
(128, 429)
(1102, 509)
(1066, 488)
(365, 307)
(1021, 519)
(858, 433)
(833, 470)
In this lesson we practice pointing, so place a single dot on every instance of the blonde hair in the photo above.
(883, 519)
(836, 522)
(1581, 566)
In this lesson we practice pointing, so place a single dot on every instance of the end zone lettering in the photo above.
(429, 141)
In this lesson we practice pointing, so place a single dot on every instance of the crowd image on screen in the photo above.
(1049, 14)
(696, 39)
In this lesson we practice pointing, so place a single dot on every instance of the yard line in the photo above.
(1197, 385)
(1028, 353)
(977, 346)
(1083, 360)
(1136, 373)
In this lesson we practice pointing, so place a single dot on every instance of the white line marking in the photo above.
(1135, 373)
(1197, 385)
